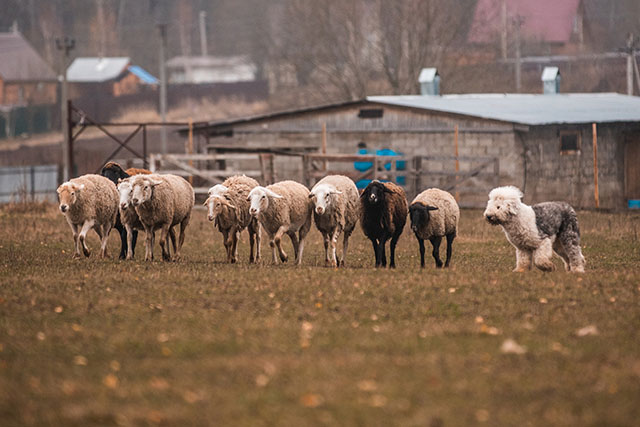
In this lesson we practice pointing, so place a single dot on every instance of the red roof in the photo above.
(546, 20)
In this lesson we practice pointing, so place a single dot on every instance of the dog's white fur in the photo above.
(518, 222)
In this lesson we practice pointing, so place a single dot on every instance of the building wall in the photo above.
(552, 175)
(402, 130)
(126, 85)
(28, 93)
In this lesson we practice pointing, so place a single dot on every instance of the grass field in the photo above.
(200, 342)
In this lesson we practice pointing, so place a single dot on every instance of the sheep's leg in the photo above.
(132, 244)
(334, 241)
(226, 243)
(258, 231)
(148, 243)
(88, 225)
(376, 252)
(277, 240)
(302, 233)
(274, 252)
(326, 239)
(234, 246)
(252, 243)
(130, 240)
(382, 249)
(106, 228)
(76, 242)
(296, 246)
(450, 238)
(183, 228)
(124, 246)
(174, 241)
(421, 244)
(435, 242)
(392, 251)
(523, 260)
(570, 241)
(164, 242)
(345, 245)
(542, 256)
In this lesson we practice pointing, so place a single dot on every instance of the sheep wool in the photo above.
(89, 202)
(337, 210)
(228, 208)
(434, 214)
(161, 202)
(283, 208)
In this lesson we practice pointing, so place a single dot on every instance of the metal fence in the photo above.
(28, 183)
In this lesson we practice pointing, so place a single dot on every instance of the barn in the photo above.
(465, 143)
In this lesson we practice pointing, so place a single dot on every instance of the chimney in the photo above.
(551, 80)
(429, 81)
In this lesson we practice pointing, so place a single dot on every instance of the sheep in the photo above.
(114, 172)
(383, 214)
(536, 231)
(335, 210)
(162, 201)
(434, 214)
(130, 219)
(283, 208)
(89, 201)
(228, 209)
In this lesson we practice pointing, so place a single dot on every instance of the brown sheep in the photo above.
(383, 214)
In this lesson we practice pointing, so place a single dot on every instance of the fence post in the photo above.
(455, 143)
(417, 180)
(596, 193)
(145, 162)
(33, 183)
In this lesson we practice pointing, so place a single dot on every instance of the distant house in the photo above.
(28, 87)
(115, 76)
(211, 69)
(556, 24)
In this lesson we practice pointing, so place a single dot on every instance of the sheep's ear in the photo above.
(311, 195)
(336, 192)
(386, 189)
(206, 201)
(273, 194)
(80, 187)
(431, 208)
(120, 180)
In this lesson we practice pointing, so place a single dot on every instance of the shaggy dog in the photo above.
(536, 231)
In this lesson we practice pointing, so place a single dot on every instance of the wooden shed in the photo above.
(465, 143)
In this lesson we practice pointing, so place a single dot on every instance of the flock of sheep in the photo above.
(136, 199)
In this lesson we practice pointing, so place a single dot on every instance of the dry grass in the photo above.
(200, 342)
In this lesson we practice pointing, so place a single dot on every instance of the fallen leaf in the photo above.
(588, 330)
(158, 383)
(509, 346)
(262, 380)
(40, 336)
(58, 309)
(367, 385)
(80, 360)
(162, 337)
(378, 401)
(110, 381)
(452, 290)
(311, 400)
(76, 327)
(482, 415)
(114, 365)
(479, 319)
(543, 301)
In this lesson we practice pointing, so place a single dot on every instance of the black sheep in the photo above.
(114, 171)
(383, 214)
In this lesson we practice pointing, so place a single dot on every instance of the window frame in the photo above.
(570, 152)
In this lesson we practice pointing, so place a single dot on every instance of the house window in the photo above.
(370, 113)
(569, 142)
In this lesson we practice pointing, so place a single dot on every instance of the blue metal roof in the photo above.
(143, 75)
(528, 109)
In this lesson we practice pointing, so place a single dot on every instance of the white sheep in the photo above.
(283, 208)
(434, 214)
(161, 202)
(336, 209)
(89, 201)
(129, 217)
(228, 209)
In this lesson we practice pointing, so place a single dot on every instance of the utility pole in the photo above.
(203, 33)
(519, 20)
(163, 87)
(503, 29)
(65, 46)
(630, 64)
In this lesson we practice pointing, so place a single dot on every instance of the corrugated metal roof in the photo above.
(93, 69)
(20, 62)
(143, 75)
(528, 109)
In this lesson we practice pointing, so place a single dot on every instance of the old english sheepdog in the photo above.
(536, 231)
